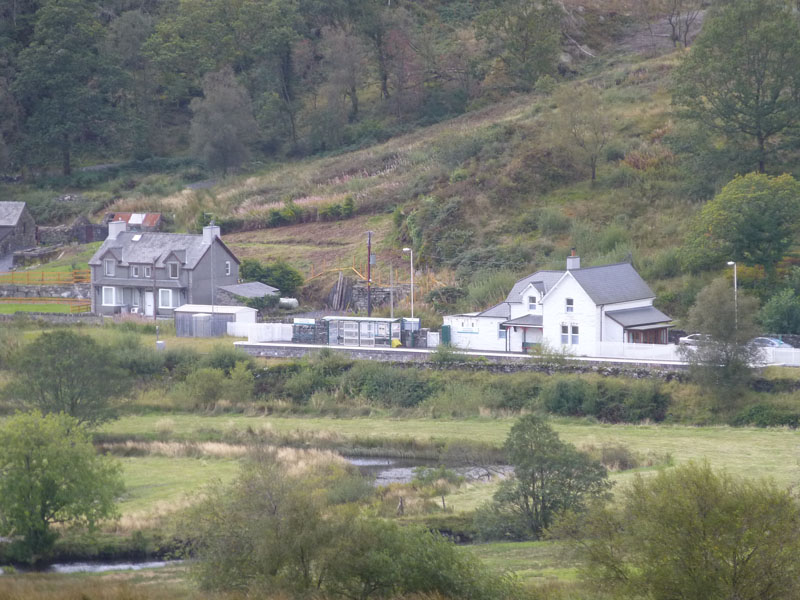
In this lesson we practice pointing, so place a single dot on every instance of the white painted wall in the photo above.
(475, 333)
(584, 315)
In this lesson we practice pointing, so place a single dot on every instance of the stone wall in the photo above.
(78, 291)
(380, 296)
(55, 318)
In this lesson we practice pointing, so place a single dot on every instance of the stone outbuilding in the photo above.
(17, 228)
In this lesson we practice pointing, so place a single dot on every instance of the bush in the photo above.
(388, 386)
(609, 400)
(553, 222)
(781, 313)
(226, 358)
(767, 415)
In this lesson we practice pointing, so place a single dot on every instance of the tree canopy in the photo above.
(693, 533)
(742, 76)
(50, 473)
(66, 372)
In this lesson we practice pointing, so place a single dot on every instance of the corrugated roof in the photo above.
(526, 320)
(542, 281)
(632, 317)
(609, 284)
(502, 310)
(252, 289)
(155, 247)
(10, 212)
(139, 219)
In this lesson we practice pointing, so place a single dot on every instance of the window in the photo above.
(570, 305)
(109, 265)
(112, 296)
(148, 271)
(564, 335)
(165, 298)
(227, 267)
(574, 340)
(173, 270)
(501, 332)
(135, 271)
(532, 302)
(135, 297)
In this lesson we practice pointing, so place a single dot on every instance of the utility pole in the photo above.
(391, 291)
(369, 273)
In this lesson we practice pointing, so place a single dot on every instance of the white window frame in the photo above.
(109, 267)
(531, 302)
(116, 295)
(569, 305)
(177, 266)
(148, 271)
(502, 332)
(574, 335)
(134, 270)
(160, 296)
(564, 335)
(227, 267)
(135, 297)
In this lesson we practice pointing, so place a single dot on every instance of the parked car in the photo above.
(694, 339)
(769, 342)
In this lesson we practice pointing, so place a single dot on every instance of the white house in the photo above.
(572, 309)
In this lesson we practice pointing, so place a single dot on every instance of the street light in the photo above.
(735, 295)
(411, 252)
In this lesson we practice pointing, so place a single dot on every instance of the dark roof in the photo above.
(10, 212)
(542, 281)
(525, 320)
(132, 247)
(632, 317)
(502, 310)
(135, 219)
(610, 284)
(253, 289)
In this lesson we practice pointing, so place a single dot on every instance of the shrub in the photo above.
(205, 386)
(226, 358)
(553, 222)
(767, 415)
(388, 386)
(609, 400)
(568, 396)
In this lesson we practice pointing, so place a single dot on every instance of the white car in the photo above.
(694, 339)
(769, 342)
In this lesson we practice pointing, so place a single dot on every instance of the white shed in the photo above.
(205, 320)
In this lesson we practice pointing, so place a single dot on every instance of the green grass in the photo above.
(532, 562)
(752, 452)
(10, 309)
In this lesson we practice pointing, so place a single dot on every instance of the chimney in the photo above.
(573, 262)
(210, 232)
(115, 228)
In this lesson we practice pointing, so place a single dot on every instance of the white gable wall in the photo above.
(584, 314)
(476, 333)
(521, 309)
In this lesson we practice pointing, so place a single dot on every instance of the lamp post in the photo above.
(732, 263)
(411, 257)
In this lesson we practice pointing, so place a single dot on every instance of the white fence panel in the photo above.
(782, 356)
(637, 351)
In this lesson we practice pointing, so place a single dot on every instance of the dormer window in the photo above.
(532, 302)
(570, 305)
(173, 270)
(109, 266)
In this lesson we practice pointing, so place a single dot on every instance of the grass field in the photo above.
(10, 309)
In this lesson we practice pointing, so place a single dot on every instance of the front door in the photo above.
(149, 303)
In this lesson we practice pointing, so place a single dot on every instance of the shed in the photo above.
(205, 320)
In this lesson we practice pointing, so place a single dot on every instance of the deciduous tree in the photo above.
(50, 473)
(742, 76)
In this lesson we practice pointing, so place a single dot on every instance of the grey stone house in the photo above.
(17, 227)
(153, 273)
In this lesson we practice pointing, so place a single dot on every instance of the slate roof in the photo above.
(498, 310)
(525, 320)
(149, 247)
(253, 289)
(10, 212)
(542, 281)
(632, 317)
(610, 284)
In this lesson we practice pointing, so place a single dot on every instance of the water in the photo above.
(106, 567)
(397, 470)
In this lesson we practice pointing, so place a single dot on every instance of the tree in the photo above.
(550, 477)
(65, 83)
(742, 76)
(753, 220)
(696, 534)
(223, 122)
(525, 34)
(723, 362)
(64, 372)
(279, 274)
(781, 313)
(581, 125)
(50, 473)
